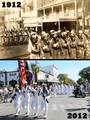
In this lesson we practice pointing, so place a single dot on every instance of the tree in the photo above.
(80, 81)
(35, 69)
(70, 81)
(63, 78)
(85, 73)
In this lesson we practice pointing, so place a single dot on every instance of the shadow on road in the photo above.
(74, 109)
(13, 117)
(88, 109)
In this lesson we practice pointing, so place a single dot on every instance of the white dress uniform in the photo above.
(35, 101)
(62, 88)
(16, 96)
(44, 103)
(26, 100)
(82, 88)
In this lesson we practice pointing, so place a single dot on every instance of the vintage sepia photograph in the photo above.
(45, 29)
(39, 90)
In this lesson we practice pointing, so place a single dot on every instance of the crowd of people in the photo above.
(61, 44)
(15, 37)
(34, 97)
(5, 93)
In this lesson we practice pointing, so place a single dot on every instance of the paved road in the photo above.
(59, 108)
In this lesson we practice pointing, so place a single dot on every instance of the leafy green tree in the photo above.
(63, 78)
(35, 69)
(85, 73)
(70, 81)
(80, 81)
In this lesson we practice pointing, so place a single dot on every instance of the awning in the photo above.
(32, 25)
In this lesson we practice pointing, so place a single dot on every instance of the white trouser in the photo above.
(35, 103)
(24, 102)
(44, 107)
(27, 104)
(17, 106)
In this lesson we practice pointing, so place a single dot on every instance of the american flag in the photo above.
(22, 72)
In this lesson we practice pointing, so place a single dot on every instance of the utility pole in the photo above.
(83, 15)
(6, 82)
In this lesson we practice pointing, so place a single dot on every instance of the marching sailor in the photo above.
(44, 103)
(35, 99)
(16, 97)
(26, 99)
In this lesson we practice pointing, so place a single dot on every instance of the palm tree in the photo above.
(35, 70)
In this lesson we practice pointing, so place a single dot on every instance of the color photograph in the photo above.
(51, 90)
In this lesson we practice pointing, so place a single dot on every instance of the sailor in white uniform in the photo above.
(62, 88)
(35, 100)
(16, 98)
(26, 99)
(44, 103)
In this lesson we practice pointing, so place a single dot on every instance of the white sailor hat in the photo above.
(44, 84)
(59, 31)
(64, 33)
(51, 31)
(34, 83)
(80, 31)
(43, 32)
(86, 30)
(55, 32)
(67, 31)
(72, 31)
(16, 85)
(33, 33)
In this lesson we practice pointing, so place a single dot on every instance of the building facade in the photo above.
(7, 77)
(63, 13)
(46, 74)
(43, 15)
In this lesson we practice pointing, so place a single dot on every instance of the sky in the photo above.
(70, 67)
